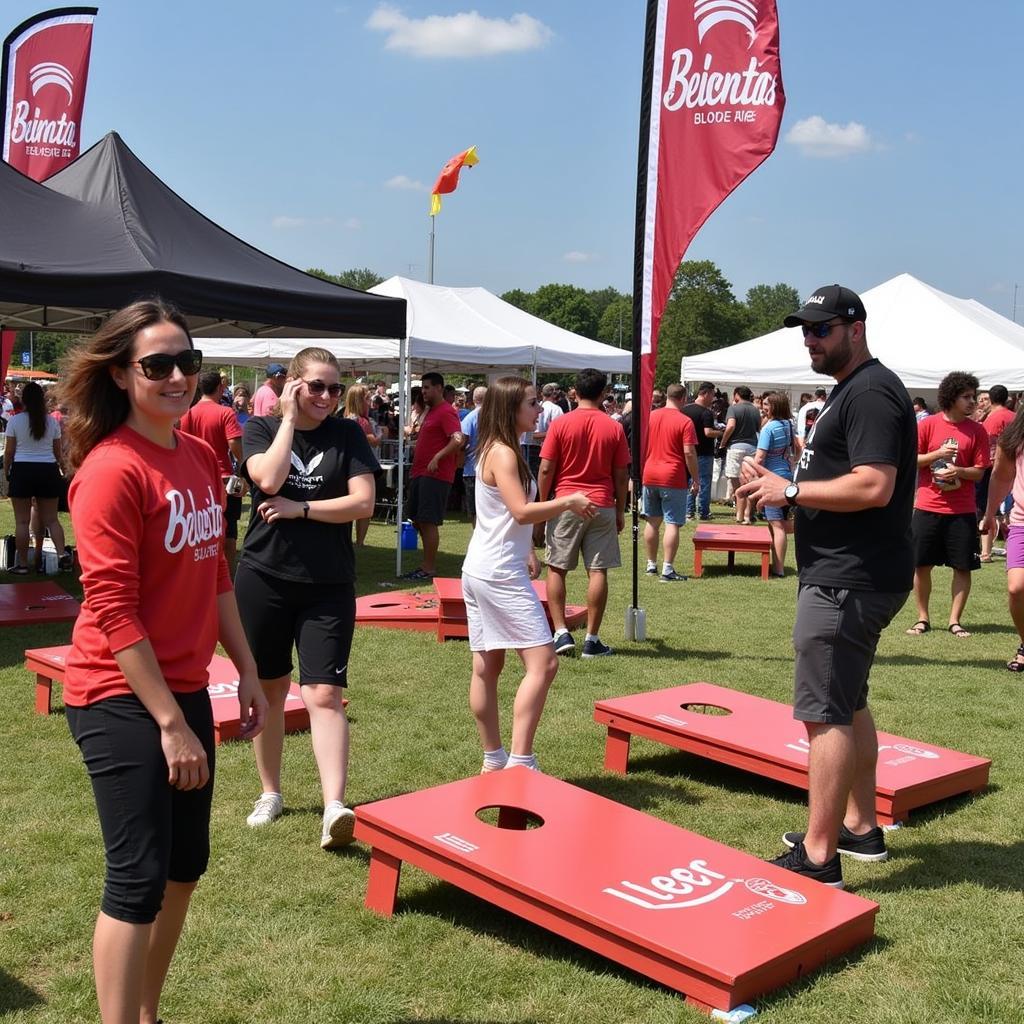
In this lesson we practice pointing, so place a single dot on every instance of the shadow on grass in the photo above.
(459, 908)
(461, 1020)
(938, 865)
(917, 659)
(15, 995)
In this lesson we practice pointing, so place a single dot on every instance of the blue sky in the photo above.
(314, 129)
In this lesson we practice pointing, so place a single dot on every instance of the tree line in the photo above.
(702, 314)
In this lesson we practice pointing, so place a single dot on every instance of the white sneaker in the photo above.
(267, 809)
(339, 824)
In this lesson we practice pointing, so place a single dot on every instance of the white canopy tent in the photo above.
(919, 332)
(447, 329)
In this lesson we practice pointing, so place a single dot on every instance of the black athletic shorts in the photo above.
(316, 618)
(35, 480)
(428, 499)
(152, 832)
(232, 513)
(951, 540)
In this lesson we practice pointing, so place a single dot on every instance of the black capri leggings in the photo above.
(152, 832)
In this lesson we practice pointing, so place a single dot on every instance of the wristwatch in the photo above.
(305, 509)
(792, 492)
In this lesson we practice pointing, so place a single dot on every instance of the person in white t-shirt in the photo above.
(803, 419)
(32, 463)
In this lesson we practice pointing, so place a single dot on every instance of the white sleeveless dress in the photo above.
(503, 609)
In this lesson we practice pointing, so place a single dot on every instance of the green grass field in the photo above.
(278, 932)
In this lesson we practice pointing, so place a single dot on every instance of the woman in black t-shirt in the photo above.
(312, 476)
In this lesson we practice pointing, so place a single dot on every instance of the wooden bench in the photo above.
(452, 621)
(761, 736)
(25, 604)
(732, 539)
(49, 664)
(717, 925)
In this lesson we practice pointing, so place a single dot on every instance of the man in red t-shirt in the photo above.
(953, 453)
(433, 470)
(998, 419)
(584, 450)
(218, 426)
(671, 458)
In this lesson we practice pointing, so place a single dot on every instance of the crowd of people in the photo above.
(160, 455)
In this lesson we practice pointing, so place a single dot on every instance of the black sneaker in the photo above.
(829, 873)
(671, 576)
(869, 846)
(651, 570)
(564, 644)
(595, 649)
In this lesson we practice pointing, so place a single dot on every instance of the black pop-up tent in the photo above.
(106, 230)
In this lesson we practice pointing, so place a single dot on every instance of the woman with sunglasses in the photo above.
(312, 475)
(146, 506)
(502, 607)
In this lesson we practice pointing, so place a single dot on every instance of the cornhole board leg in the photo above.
(44, 688)
(764, 565)
(698, 561)
(382, 885)
(616, 750)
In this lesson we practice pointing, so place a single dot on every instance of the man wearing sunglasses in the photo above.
(853, 494)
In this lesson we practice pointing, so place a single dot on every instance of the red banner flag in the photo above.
(42, 90)
(711, 112)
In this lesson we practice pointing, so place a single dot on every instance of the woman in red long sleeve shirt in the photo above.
(147, 506)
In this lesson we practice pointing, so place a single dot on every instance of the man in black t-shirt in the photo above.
(853, 493)
(699, 410)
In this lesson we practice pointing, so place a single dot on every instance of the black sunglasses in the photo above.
(317, 387)
(822, 330)
(160, 365)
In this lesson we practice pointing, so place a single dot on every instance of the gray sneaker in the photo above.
(339, 824)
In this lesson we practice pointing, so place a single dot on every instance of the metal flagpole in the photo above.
(636, 617)
(403, 391)
(430, 261)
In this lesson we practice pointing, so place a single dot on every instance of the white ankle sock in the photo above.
(651, 565)
(495, 760)
(334, 805)
(526, 760)
(559, 632)
(593, 636)
(667, 568)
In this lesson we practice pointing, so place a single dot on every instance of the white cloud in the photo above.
(402, 181)
(575, 256)
(818, 138)
(467, 34)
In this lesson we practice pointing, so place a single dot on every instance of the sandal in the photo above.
(19, 570)
(919, 628)
(418, 574)
(1017, 665)
(958, 631)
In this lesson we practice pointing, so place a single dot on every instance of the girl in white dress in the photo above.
(502, 607)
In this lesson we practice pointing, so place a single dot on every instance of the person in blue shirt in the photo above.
(775, 447)
(470, 426)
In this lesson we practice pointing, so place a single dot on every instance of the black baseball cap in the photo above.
(826, 302)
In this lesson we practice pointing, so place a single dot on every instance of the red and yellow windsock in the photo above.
(448, 179)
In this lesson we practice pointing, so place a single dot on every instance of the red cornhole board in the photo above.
(756, 539)
(761, 736)
(399, 609)
(49, 663)
(718, 925)
(23, 604)
(451, 620)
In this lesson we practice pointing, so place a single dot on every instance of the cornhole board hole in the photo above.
(718, 925)
(732, 539)
(452, 622)
(399, 609)
(24, 604)
(761, 736)
(49, 663)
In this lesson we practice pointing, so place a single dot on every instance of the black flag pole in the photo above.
(636, 617)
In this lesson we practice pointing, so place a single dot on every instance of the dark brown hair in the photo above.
(1011, 440)
(778, 405)
(34, 401)
(497, 424)
(98, 406)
